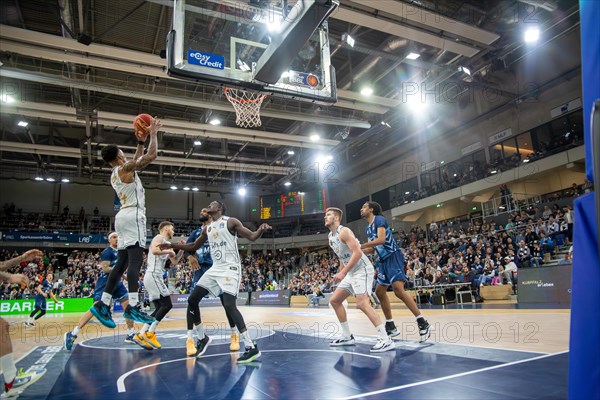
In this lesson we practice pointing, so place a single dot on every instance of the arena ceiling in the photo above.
(77, 97)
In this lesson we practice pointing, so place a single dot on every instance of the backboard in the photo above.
(276, 47)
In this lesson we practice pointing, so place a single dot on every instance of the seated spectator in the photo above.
(506, 270)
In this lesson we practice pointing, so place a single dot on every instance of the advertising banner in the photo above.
(270, 298)
(545, 284)
(15, 307)
(52, 237)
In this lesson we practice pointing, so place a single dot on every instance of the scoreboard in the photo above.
(292, 204)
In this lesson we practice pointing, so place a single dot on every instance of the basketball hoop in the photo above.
(246, 105)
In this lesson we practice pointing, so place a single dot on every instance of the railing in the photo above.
(509, 203)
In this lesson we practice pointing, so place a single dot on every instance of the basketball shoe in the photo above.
(150, 337)
(251, 354)
(235, 342)
(343, 341)
(69, 341)
(102, 313)
(136, 314)
(21, 381)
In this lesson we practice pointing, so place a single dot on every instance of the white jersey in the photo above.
(223, 246)
(156, 264)
(130, 194)
(343, 251)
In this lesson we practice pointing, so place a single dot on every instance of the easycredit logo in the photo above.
(208, 60)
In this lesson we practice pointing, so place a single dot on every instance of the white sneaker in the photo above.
(383, 345)
(29, 324)
(343, 341)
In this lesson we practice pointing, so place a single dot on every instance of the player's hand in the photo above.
(165, 246)
(45, 295)
(264, 227)
(155, 125)
(194, 265)
(339, 276)
(32, 254)
(20, 279)
(172, 254)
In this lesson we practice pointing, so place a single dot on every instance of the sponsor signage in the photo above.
(566, 107)
(52, 237)
(545, 284)
(497, 137)
(181, 300)
(469, 149)
(270, 298)
(301, 79)
(14, 307)
(207, 60)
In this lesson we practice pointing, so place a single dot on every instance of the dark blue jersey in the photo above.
(389, 246)
(203, 253)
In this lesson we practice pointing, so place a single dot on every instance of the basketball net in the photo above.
(246, 105)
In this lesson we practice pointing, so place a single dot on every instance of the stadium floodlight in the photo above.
(413, 56)
(366, 91)
(23, 124)
(531, 35)
(173, 187)
(242, 191)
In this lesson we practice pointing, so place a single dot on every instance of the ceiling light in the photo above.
(438, 205)
(197, 143)
(274, 26)
(195, 189)
(315, 138)
(50, 179)
(301, 193)
(526, 160)
(465, 70)
(366, 91)
(493, 171)
(186, 188)
(406, 192)
(455, 175)
(413, 56)
(23, 123)
(348, 39)
(6, 98)
(291, 152)
(242, 191)
(531, 35)
(38, 178)
(65, 180)
(474, 208)
(385, 124)
(173, 187)
(287, 184)
(215, 121)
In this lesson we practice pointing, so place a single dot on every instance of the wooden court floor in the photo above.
(533, 330)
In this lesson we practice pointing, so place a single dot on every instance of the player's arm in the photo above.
(27, 256)
(14, 278)
(189, 247)
(105, 266)
(347, 237)
(377, 241)
(40, 291)
(141, 162)
(234, 224)
(156, 250)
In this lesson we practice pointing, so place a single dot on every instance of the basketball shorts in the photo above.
(120, 294)
(360, 280)
(391, 269)
(40, 302)
(155, 285)
(221, 280)
(130, 224)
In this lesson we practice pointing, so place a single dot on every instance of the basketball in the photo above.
(140, 125)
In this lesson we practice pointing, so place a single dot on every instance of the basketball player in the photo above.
(108, 259)
(130, 224)
(392, 268)
(356, 276)
(200, 264)
(15, 381)
(154, 283)
(43, 291)
(224, 276)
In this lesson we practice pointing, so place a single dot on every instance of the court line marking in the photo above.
(400, 342)
(136, 347)
(392, 389)
(121, 381)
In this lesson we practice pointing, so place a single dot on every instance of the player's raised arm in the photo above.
(139, 163)
(27, 256)
(234, 225)
(157, 251)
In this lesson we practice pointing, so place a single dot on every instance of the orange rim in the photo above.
(232, 99)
